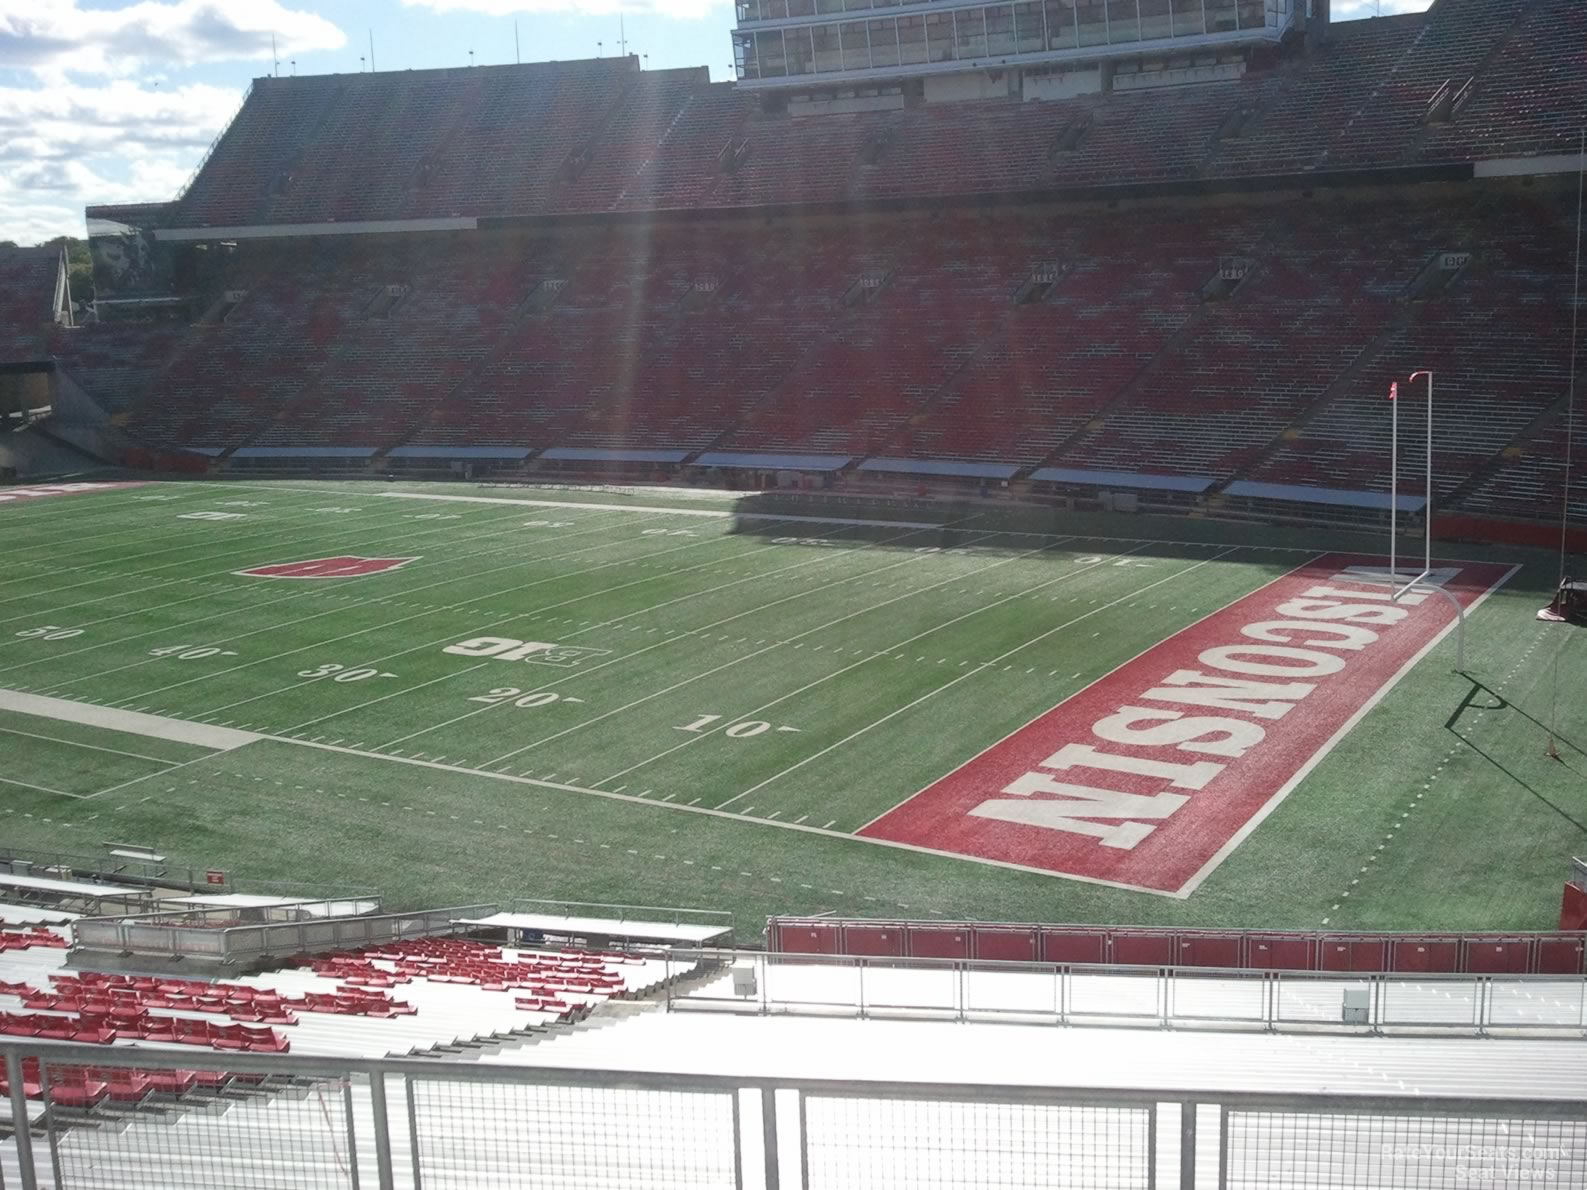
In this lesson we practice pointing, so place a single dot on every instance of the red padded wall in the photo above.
(1498, 956)
(1560, 956)
(1209, 950)
(1007, 945)
(805, 938)
(938, 942)
(1144, 949)
(1078, 946)
(1352, 954)
(1281, 952)
(875, 940)
(1424, 954)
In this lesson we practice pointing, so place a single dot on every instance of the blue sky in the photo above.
(116, 100)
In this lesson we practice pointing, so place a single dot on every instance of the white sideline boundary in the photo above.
(155, 727)
(1345, 729)
(718, 514)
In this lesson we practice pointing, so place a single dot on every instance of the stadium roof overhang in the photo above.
(352, 227)
(1338, 497)
(1129, 480)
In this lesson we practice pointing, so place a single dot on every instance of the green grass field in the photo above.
(780, 673)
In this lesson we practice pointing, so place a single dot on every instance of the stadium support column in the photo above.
(1316, 18)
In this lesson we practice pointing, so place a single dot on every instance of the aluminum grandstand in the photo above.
(1184, 272)
(1177, 250)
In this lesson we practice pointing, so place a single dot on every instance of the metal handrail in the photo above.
(213, 145)
(720, 915)
(188, 1058)
(231, 944)
(1267, 1010)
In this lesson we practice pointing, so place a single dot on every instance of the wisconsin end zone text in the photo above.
(1150, 776)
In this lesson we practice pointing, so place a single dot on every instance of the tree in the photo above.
(79, 267)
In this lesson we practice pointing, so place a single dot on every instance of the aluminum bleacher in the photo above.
(28, 278)
(447, 144)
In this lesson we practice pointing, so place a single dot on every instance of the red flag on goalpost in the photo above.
(1394, 389)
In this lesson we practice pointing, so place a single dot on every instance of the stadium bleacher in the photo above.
(28, 309)
(850, 341)
(1072, 334)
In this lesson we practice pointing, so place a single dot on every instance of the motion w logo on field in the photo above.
(1151, 776)
(344, 566)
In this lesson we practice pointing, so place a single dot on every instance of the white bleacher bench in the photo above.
(133, 852)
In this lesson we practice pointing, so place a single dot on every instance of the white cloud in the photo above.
(683, 10)
(57, 36)
(61, 150)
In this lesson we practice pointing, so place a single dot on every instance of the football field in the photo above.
(465, 692)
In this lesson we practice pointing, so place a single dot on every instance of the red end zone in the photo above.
(1148, 777)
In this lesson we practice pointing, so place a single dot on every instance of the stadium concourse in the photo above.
(935, 486)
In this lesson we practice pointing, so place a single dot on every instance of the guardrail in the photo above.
(162, 873)
(411, 1123)
(1487, 953)
(251, 943)
(716, 917)
(1086, 994)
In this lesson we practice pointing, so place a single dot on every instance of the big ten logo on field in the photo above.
(345, 566)
(539, 652)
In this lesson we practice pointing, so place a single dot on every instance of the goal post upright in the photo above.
(1397, 590)
(1396, 587)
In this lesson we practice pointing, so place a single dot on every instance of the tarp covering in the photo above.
(941, 467)
(303, 452)
(591, 454)
(772, 462)
(1336, 496)
(1123, 479)
(459, 452)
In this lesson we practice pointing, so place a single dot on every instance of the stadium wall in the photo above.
(1559, 953)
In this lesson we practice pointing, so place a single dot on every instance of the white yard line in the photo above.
(135, 513)
(1345, 728)
(403, 594)
(912, 593)
(759, 577)
(33, 735)
(882, 652)
(517, 563)
(969, 673)
(145, 777)
(40, 788)
(712, 513)
(193, 534)
(682, 808)
(401, 538)
(693, 633)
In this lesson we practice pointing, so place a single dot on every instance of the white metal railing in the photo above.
(213, 145)
(290, 1120)
(1076, 993)
(157, 936)
(715, 917)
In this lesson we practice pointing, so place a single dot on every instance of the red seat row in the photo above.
(102, 1030)
(27, 939)
(85, 1086)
